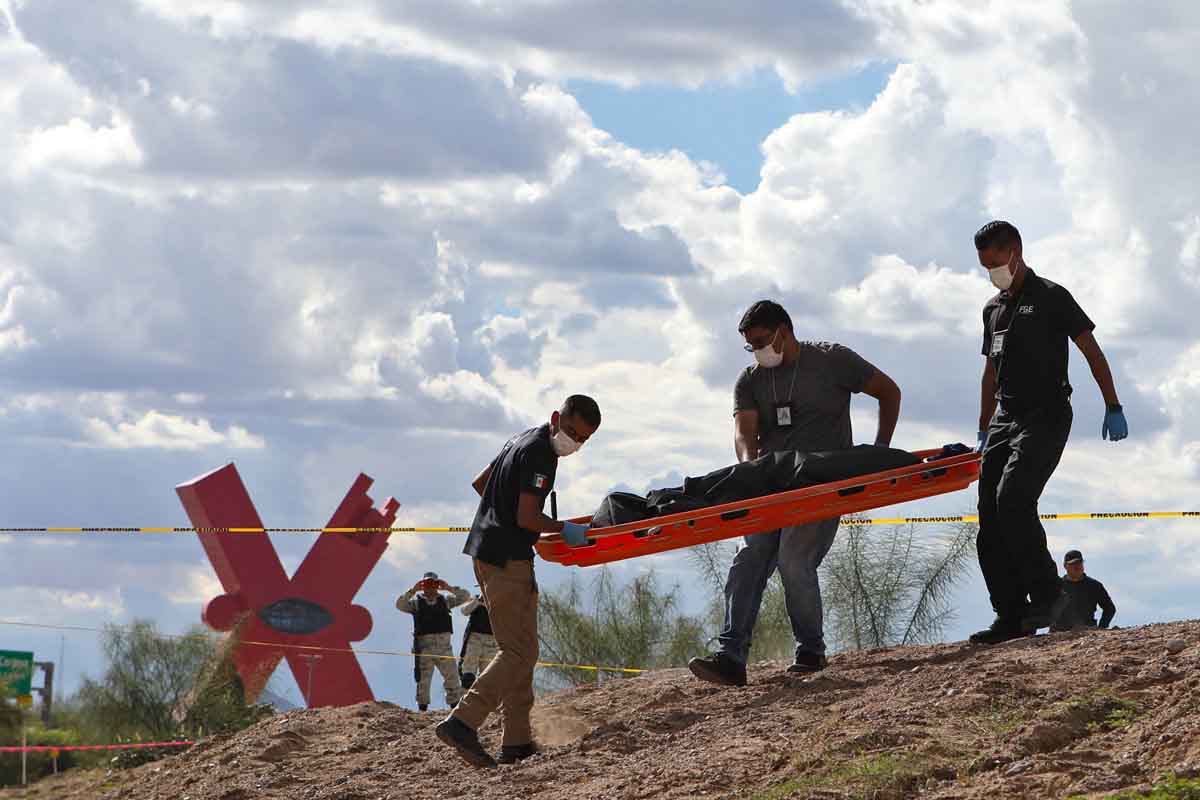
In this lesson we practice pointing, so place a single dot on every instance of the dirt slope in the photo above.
(1053, 716)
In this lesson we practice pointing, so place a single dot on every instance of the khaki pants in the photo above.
(481, 649)
(507, 684)
(436, 644)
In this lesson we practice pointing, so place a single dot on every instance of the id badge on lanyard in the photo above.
(997, 350)
(783, 415)
(784, 409)
(999, 338)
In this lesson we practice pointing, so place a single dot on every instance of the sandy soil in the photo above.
(1086, 713)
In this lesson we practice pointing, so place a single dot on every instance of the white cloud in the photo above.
(30, 603)
(78, 144)
(838, 188)
(897, 300)
(195, 587)
(1189, 251)
(625, 42)
(168, 432)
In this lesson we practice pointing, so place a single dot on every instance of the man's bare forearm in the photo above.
(1103, 375)
(889, 414)
(540, 523)
(746, 450)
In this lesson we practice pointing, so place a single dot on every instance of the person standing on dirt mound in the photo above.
(795, 397)
(479, 645)
(1084, 595)
(432, 631)
(512, 495)
(1024, 421)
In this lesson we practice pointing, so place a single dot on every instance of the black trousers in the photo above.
(1022, 452)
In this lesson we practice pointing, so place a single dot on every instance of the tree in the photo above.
(10, 713)
(879, 586)
(162, 686)
(893, 586)
(636, 625)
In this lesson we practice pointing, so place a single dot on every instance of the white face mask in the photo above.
(767, 357)
(563, 444)
(1001, 277)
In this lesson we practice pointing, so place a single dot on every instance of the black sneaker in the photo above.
(1044, 615)
(465, 741)
(1001, 630)
(512, 753)
(808, 662)
(719, 668)
(422, 707)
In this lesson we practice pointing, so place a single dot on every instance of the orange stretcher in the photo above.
(796, 507)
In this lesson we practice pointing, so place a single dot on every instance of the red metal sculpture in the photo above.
(313, 609)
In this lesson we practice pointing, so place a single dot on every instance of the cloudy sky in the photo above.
(320, 238)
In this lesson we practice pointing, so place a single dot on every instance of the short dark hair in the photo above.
(997, 233)
(583, 406)
(764, 314)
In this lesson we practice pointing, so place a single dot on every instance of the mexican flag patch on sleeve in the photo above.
(540, 481)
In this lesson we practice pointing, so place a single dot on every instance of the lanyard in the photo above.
(792, 385)
(1007, 332)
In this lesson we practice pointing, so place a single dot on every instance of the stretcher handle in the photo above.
(780, 497)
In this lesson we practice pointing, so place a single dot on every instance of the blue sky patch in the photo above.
(724, 123)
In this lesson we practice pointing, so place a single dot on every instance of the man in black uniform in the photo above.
(1084, 593)
(509, 520)
(1024, 421)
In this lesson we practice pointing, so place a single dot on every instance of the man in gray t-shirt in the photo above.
(816, 386)
(795, 397)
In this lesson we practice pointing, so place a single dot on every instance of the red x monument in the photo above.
(312, 609)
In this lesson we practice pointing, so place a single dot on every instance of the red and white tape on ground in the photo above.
(46, 748)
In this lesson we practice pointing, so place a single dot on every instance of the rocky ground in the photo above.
(1093, 714)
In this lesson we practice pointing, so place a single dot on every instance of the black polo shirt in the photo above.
(1026, 336)
(527, 463)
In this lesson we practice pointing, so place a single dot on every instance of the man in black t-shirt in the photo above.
(1084, 594)
(1024, 421)
(512, 496)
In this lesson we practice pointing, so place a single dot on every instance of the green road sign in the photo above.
(16, 671)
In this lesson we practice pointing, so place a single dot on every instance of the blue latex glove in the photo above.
(575, 534)
(982, 441)
(1115, 427)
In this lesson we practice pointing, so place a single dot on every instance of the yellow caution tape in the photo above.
(1046, 517)
(316, 648)
(1092, 515)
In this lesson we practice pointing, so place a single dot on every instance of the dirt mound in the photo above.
(1086, 713)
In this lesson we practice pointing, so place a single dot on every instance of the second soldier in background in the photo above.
(479, 644)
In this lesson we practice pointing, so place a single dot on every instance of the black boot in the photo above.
(512, 753)
(808, 662)
(422, 707)
(465, 741)
(719, 668)
(1002, 629)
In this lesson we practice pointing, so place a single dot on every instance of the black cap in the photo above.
(1072, 557)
